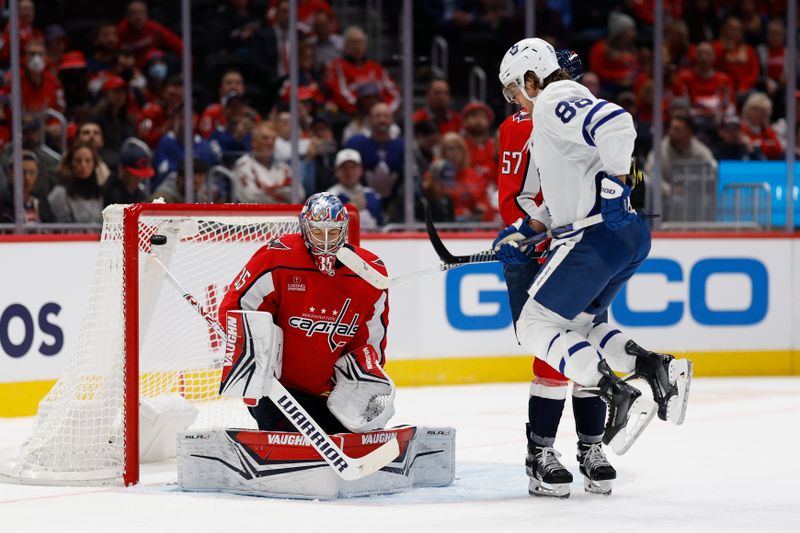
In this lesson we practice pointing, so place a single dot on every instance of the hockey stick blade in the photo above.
(442, 251)
(348, 468)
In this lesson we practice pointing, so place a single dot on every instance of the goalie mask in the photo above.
(323, 224)
(533, 55)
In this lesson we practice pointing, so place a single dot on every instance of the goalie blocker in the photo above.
(280, 464)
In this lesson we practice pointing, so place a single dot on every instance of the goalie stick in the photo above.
(360, 267)
(348, 468)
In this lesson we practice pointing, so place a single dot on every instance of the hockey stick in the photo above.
(360, 267)
(449, 261)
(491, 255)
(348, 468)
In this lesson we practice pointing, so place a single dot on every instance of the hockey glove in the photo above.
(614, 203)
(508, 249)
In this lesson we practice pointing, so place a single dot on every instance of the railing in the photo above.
(62, 120)
(692, 200)
(375, 28)
(440, 58)
(477, 84)
(747, 203)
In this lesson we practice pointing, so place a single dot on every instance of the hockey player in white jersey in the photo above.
(582, 148)
(520, 195)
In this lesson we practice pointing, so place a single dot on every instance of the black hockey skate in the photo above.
(669, 379)
(598, 474)
(628, 412)
(548, 475)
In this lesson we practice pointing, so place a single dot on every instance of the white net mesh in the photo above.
(79, 431)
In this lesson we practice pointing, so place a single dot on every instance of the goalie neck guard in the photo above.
(323, 224)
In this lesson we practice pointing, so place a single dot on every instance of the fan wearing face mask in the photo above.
(40, 89)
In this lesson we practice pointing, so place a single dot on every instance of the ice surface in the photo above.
(733, 466)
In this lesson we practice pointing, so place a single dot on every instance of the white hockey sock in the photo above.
(610, 342)
(574, 356)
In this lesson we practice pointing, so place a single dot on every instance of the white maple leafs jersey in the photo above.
(575, 136)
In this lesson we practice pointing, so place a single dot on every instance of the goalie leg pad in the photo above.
(280, 464)
(160, 419)
(253, 354)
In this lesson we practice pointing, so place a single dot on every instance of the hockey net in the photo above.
(140, 341)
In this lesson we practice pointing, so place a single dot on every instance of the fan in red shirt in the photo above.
(614, 59)
(344, 75)
(326, 311)
(736, 58)
(232, 83)
(438, 109)
(27, 32)
(755, 125)
(138, 33)
(772, 55)
(482, 147)
(306, 11)
(157, 118)
(710, 92)
(465, 187)
(40, 89)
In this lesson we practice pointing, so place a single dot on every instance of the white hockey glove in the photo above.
(363, 397)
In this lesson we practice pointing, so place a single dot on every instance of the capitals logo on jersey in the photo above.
(313, 323)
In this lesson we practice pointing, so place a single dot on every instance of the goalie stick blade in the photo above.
(373, 461)
(351, 260)
(365, 271)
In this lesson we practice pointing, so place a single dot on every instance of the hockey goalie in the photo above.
(305, 340)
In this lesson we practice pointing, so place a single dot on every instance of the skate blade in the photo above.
(680, 373)
(641, 413)
(551, 490)
(597, 487)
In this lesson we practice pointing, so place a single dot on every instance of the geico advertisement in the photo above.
(690, 294)
(43, 291)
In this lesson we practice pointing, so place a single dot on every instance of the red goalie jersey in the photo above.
(517, 179)
(322, 317)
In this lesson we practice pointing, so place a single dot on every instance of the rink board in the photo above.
(731, 304)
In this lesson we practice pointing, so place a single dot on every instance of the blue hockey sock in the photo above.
(590, 417)
(544, 415)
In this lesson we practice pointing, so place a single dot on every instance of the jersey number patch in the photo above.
(510, 159)
(565, 110)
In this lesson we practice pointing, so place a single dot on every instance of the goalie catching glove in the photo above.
(363, 396)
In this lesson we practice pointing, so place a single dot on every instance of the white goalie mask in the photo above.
(534, 55)
(323, 224)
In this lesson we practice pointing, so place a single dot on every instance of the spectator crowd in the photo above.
(102, 108)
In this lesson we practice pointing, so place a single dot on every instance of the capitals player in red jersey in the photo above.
(520, 195)
(333, 322)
